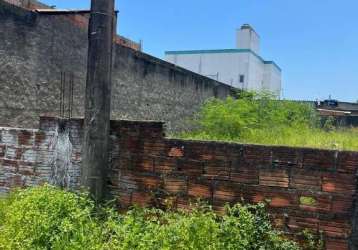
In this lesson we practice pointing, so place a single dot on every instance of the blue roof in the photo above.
(218, 51)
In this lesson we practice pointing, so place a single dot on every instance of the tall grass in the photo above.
(260, 119)
(342, 139)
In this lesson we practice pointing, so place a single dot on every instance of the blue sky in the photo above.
(314, 42)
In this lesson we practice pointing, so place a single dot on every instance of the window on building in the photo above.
(242, 78)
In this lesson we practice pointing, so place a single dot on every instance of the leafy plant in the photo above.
(50, 218)
(259, 118)
(311, 241)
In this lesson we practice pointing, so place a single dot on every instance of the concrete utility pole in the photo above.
(98, 97)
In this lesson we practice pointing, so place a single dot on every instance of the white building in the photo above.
(241, 67)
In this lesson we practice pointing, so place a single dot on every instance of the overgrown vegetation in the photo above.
(260, 119)
(50, 218)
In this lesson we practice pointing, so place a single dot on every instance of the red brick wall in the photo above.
(25, 156)
(304, 188)
(28, 157)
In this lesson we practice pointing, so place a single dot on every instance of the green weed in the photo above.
(260, 119)
(50, 218)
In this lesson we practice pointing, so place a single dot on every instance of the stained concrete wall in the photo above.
(36, 48)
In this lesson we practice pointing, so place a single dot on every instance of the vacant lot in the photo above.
(260, 119)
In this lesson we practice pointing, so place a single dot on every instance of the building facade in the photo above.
(345, 114)
(241, 67)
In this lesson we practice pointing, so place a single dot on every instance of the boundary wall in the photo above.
(304, 188)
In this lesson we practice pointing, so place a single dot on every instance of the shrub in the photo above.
(258, 118)
(233, 118)
(50, 218)
(241, 228)
(47, 218)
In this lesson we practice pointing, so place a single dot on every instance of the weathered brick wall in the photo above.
(24, 157)
(28, 157)
(304, 188)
